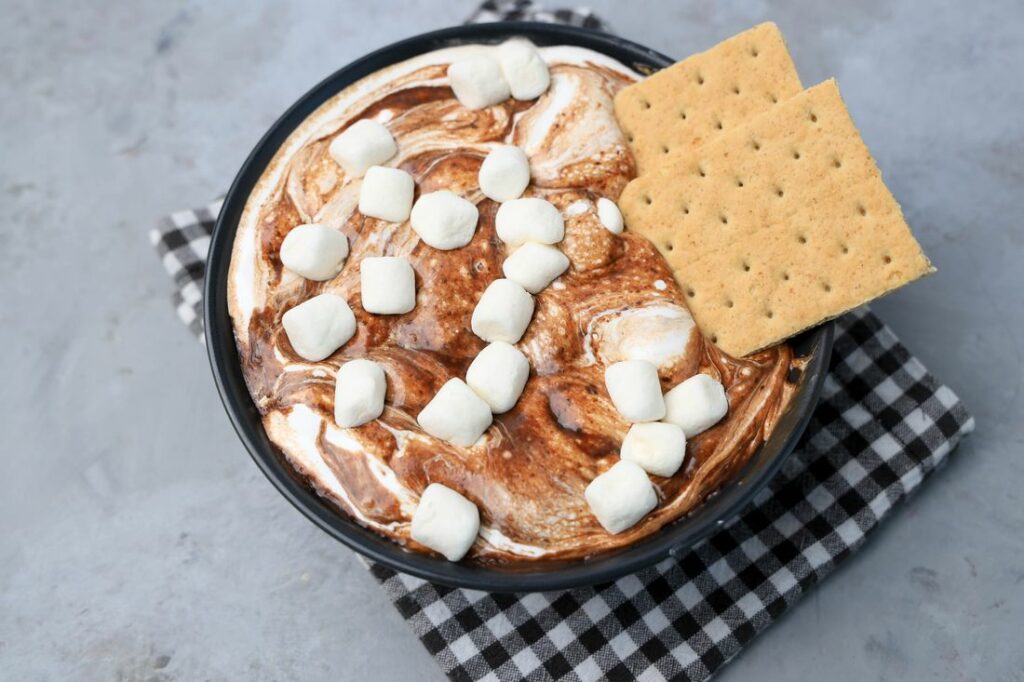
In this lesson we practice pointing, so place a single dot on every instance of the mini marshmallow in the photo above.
(388, 285)
(621, 496)
(696, 404)
(524, 69)
(386, 194)
(533, 266)
(656, 446)
(610, 215)
(529, 220)
(444, 220)
(363, 144)
(445, 521)
(319, 326)
(456, 414)
(316, 252)
(635, 390)
(478, 82)
(359, 393)
(498, 374)
(503, 312)
(578, 207)
(505, 173)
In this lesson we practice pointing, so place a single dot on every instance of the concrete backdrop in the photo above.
(138, 541)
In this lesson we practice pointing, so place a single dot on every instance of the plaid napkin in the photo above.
(883, 424)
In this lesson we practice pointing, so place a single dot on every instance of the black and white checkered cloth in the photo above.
(883, 424)
(182, 240)
(525, 10)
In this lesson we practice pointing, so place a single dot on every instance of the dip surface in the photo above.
(617, 301)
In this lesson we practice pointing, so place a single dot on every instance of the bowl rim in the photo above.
(672, 539)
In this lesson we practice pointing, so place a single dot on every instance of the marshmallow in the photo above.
(456, 414)
(635, 390)
(388, 285)
(445, 521)
(444, 220)
(498, 374)
(610, 215)
(319, 326)
(363, 144)
(477, 82)
(505, 173)
(533, 266)
(524, 69)
(315, 252)
(503, 312)
(359, 393)
(621, 496)
(529, 220)
(656, 446)
(386, 194)
(578, 207)
(696, 404)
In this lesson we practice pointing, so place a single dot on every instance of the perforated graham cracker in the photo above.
(778, 224)
(691, 102)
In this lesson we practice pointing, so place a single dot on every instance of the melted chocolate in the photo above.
(528, 475)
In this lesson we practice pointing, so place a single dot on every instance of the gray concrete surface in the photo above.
(137, 540)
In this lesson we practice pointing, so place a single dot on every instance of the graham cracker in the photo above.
(778, 224)
(691, 102)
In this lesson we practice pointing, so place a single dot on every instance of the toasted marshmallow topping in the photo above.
(635, 390)
(505, 173)
(359, 393)
(388, 285)
(498, 374)
(656, 446)
(478, 82)
(621, 496)
(529, 220)
(456, 414)
(610, 216)
(386, 193)
(365, 143)
(319, 326)
(533, 266)
(444, 220)
(524, 68)
(445, 521)
(661, 333)
(503, 313)
(696, 404)
(316, 252)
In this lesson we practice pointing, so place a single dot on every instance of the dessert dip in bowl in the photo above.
(442, 321)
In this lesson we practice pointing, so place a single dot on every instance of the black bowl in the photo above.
(527, 576)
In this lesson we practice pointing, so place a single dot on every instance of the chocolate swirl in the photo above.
(618, 300)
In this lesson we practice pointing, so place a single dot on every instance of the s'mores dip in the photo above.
(452, 333)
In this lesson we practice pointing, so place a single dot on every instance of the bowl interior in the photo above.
(516, 577)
